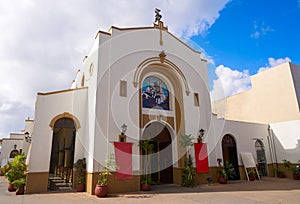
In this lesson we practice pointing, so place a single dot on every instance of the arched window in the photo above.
(13, 153)
(261, 158)
(155, 94)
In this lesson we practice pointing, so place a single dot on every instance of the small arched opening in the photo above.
(230, 154)
(261, 158)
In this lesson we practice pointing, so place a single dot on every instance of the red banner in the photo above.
(201, 157)
(123, 152)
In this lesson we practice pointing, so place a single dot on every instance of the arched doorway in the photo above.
(230, 154)
(62, 154)
(161, 165)
(261, 158)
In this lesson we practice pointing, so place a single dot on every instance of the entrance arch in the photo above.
(161, 164)
(261, 158)
(230, 154)
(62, 153)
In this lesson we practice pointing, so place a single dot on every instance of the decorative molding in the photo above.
(65, 115)
(167, 65)
(61, 91)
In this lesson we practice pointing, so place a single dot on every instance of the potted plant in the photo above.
(147, 148)
(280, 173)
(9, 176)
(223, 177)
(16, 174)
(19, 184)
(293, 168)
(146, 183)
(80, 168)
(227, 172)
(295, 171)
(251, 174)
(101, 189)
(189, 172)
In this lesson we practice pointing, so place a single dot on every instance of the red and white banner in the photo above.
(123, 152)
(201, 157)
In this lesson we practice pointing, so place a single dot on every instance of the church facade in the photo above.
(149, 81)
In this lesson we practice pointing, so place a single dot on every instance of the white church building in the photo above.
(151, 81)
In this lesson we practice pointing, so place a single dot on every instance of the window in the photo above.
(13, 153)
(91, 69)
(196, 99)
(155, 94)
(123, 88)
(82, 80)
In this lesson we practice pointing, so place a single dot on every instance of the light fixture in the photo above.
(162, 56)
(15, 146)
(122, 137)
(124, 129)
(200, 136)
(27, 137)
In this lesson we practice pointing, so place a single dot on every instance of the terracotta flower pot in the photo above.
(145, 187)
(296, 176)
(11, 187)
(20, 191)
(251, 178)
(101, 190)
(80, 187)
(222, 180)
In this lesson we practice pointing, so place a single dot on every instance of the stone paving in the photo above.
(268, 190)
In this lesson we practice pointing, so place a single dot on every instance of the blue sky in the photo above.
(247, 33)
(43, 42)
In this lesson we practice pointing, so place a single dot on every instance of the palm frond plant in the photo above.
(189, 172)
(147, 148)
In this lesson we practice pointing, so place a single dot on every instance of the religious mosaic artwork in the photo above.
(155, 94)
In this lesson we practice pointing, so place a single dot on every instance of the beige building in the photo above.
(274, 97)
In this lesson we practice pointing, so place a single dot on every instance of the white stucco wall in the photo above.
(47, 107)
(287, 140)
(7, 147)
(119, 58)
(245, 135)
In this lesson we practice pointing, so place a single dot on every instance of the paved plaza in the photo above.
(268, 190)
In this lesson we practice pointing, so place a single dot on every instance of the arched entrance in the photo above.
(62, 154)
(261, 158)
(230, 154)
(161, 165)
(14, 152)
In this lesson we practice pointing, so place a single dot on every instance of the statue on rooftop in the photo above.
(157, 15)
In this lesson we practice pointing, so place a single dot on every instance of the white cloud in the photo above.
(229, 82)
(43, 42)
(260, 31)
(274, 62)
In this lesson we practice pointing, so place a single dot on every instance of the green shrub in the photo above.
(16, 173)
